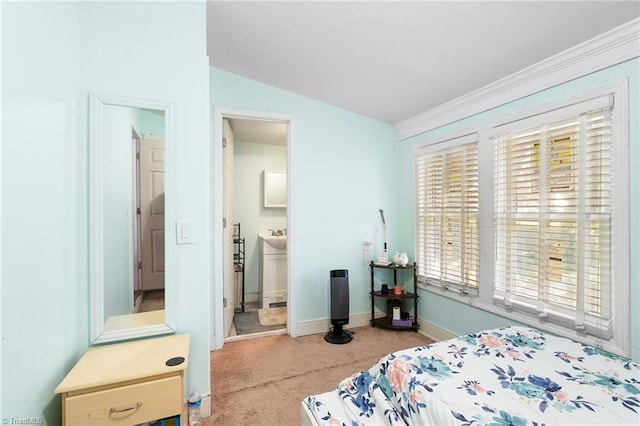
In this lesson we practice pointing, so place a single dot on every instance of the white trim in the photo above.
(514, 316)
(441, 144)
(217, 340)
(599, 97)
(610, 48)
(240, 337)
(622, 222)
(364, 319)
(97, 102)
(433, 331)
(306, 328)
(621, 343)
(205, 405)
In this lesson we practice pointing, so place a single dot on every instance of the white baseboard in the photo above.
(306, 328)
(426, 328)
(250, 297)
(434, 332)
(240, 337)
(322, 326)
(205, 406)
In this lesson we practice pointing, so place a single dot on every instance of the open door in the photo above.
(151, 211)
(227, 231)
(224, 204)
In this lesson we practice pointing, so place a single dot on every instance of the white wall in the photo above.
(53, 55)
(250, 161)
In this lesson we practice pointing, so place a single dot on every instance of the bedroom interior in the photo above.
(378, 105)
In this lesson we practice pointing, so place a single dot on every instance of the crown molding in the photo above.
(610, 48)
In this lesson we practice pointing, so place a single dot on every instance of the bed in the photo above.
(503, 376)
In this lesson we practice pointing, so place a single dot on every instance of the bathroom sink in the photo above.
(279, 242)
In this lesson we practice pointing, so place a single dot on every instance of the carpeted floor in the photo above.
(263, 381)
(153, 301)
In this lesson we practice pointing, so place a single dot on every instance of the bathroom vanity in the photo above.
(127, 383)
(273, 269)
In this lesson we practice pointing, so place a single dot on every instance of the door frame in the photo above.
(135, 202)
(217, 249)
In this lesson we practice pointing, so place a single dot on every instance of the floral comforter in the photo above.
(505, 376)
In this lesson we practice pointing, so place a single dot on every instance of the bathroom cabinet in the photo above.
(402, 300)
(273, 274)
(127, 383)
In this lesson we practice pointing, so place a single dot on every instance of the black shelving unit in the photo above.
(239, 259)
(401, 299)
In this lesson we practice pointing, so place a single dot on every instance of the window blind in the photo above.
(553, 221)
(447, 217)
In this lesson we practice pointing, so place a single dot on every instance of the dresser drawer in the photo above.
(126, 405)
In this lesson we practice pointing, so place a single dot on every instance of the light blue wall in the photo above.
(342, 170)
(119, 49)
(44, 267)
(148, 51)
(250, 161)
(459, 318)
(149, 123)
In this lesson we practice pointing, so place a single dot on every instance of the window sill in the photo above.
(612, 345)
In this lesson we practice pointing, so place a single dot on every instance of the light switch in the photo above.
(184, 232)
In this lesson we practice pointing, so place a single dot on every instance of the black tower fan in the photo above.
(339, 307)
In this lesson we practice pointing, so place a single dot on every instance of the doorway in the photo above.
(252, 144)
(149, 224)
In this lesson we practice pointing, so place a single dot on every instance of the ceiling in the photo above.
(258, 131)
(392, 60)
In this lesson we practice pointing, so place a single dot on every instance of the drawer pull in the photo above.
(124, 410)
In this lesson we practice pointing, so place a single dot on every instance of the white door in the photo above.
(227, 231)
(151, 187)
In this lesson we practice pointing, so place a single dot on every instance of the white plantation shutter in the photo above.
(447, 215)
(553, 221)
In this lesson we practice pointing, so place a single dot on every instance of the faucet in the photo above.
(278, 233)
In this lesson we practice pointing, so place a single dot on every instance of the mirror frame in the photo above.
(97, 102)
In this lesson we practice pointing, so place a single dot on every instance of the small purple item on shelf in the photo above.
(402, 322)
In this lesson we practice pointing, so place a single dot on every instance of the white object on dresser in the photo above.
(127, 383)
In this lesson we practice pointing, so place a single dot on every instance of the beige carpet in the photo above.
(272, 316)
(153, 300)
(263, 381)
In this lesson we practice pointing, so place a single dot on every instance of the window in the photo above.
(544, 197)
(447, 218)
(553, 221)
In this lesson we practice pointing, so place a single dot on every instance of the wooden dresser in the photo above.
(127, 383)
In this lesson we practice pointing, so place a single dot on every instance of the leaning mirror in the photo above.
(129, 208)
